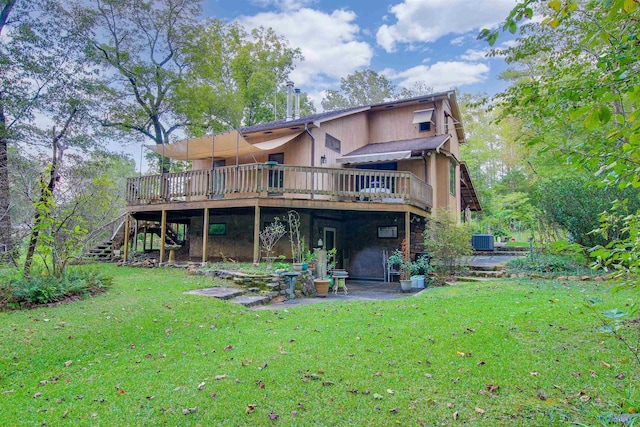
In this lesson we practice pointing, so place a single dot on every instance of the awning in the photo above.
(375, 158)
(223, 145)
(422, 116)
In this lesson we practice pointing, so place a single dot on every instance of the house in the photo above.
(362, 179)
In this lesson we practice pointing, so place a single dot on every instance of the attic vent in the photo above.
(332, 143)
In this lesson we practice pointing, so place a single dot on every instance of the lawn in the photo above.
(492, 353)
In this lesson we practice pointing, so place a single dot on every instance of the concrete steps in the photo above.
(235, 295)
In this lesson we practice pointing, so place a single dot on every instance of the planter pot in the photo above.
(305, 266)
(322, 287)
(297, 266)
(417, 282)
(405, 285)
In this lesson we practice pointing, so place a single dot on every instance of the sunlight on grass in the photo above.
(503, 353)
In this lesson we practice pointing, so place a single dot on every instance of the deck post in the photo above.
(407, 230)
(126, 238)
(163, 234)
(256, 235)
(205, 235)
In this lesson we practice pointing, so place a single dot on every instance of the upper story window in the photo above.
(332, 143)
(424, 119)
(452, 178)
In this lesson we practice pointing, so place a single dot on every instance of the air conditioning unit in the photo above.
(482, 242)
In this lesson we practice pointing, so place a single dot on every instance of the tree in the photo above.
(138, 44)
(360, 88)
(235, 78)
(579, 94)
(446, 240)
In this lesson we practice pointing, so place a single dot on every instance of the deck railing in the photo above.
(259, 179)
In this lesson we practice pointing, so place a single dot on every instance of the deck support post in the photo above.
(205, 235)
(256, 235)
(407, 230)
(126, 238)
(163, 235)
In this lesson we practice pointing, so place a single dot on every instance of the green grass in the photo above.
(140, 351)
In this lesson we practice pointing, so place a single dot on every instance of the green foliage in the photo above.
(621, 228)
(368, 87)
(42, 288)
(447, 241)
(547, 263)
(577, 95)
(575, 204)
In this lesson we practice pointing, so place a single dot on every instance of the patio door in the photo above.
(329, 238)
(218, 180)
(276, 177)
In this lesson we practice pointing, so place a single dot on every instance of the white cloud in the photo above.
(442, 75)
(288, 5)
(474, 54)
(425, 21)
(457, 41)
(328, 41)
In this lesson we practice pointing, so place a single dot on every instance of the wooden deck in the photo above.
(333, 185)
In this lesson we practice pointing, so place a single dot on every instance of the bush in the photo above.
(447, 241)
(44, 289)
(550, 263)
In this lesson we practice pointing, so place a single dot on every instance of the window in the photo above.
(423, 118)
(425, 126)
(446, 123)
(452, 178)
(332, 143)
(217, 229)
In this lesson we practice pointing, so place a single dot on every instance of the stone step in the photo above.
(500, 253)
(250, 300)
(219, 292)
(480, 267)
(480, 273)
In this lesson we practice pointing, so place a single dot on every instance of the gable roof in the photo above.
(316, 119)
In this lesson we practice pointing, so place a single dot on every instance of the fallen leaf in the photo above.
(585, 398)
(353, 390)
(534, 374)
(38, 394)
(150, 397)
(541, 396)
(220, 377)
(326, 383)
(121, 391)
(394, 410)
(593, 373)
(461, 354)
(64, 415)
(450, 405)
(577, 374)
(201, 385)
(273, 416)
(377, 396)
(261, 367)
(251, 408)
(68, 362)
(480, 411)
(389, 391)
(491, 388)
(620, 376)
(377, 374)
(428, 375)
(228, 347)
(455, 416)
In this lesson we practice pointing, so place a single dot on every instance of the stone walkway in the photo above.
(359, 290)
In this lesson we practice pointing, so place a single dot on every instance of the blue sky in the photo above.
(408, 41)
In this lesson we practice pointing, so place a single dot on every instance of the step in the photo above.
(479, 267)
(250, 300)
(478, 273)
(219, 292)
(500, 253)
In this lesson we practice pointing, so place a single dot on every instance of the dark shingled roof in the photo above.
(279, 124)
(418, 144)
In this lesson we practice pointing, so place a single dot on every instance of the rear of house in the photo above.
(362, 179)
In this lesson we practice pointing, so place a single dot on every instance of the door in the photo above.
(218, 180)
(276, 177)
(329, 239)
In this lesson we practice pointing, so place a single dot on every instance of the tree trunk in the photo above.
(5, 199)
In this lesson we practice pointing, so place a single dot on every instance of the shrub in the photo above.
(550, 263)
(447, 241)
(45, 289)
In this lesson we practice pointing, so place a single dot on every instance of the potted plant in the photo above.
(308, 257)
(421, 267)
(400, 258)
(269, 238)
(296, 241)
